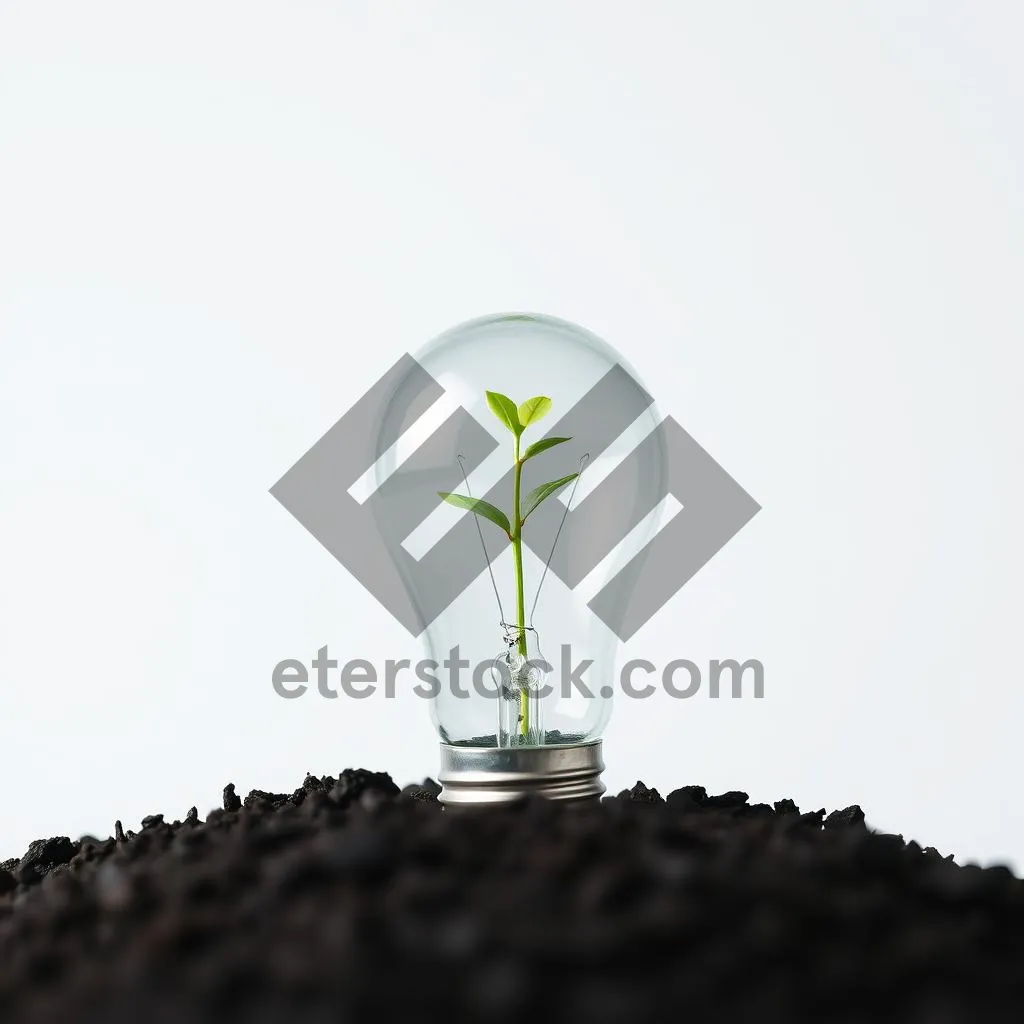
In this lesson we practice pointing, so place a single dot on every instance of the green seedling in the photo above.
(516, 420)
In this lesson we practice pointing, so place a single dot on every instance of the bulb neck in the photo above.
(491, 776)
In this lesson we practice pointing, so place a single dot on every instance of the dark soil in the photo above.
(349, 901)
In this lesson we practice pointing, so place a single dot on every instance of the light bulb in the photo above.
(525, 669)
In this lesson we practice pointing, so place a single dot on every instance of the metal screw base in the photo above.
(490, 776)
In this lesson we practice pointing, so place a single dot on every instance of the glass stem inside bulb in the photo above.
(517, 556)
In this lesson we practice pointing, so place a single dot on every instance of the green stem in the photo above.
(517, 557)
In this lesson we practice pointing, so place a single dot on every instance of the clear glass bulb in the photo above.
(538, 671)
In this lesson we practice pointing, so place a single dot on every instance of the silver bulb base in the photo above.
(492, 776)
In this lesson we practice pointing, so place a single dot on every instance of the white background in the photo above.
(803, 225)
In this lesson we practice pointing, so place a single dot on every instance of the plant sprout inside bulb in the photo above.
(521, 424)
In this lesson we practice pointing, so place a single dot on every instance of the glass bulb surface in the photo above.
(538, 671)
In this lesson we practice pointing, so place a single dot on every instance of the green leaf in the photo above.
(480, 508)
(542, 446)
(505, 409)
(534, 409)
(538, 494)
